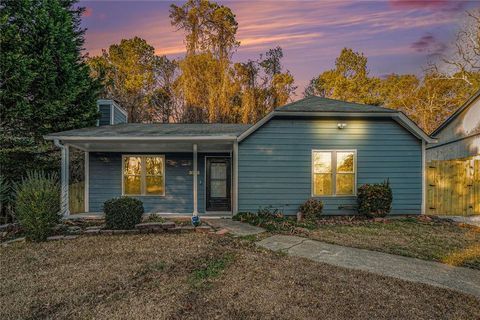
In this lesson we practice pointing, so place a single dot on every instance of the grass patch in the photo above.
(440, 241)
(210, 269)
(435, 240)
(98, 277)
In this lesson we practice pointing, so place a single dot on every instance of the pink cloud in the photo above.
(88, 12)
(446, 5)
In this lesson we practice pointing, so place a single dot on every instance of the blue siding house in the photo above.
(314, 147)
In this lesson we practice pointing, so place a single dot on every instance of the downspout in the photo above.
(64, 206)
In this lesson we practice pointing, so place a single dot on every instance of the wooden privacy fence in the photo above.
(453, 187)
(76, 193)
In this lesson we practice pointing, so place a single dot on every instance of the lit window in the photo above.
(143, 175)
(333, 173)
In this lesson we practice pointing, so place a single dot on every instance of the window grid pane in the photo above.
(345, 162)
(322, 162)
(322, 184)
(154, 166)
(345, 184)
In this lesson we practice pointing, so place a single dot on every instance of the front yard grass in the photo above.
(441, 241)
(418, 237)
(197, 276)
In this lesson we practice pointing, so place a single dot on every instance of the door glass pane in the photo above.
(345, 183)
(322, 184)
(344, 161)
(218, 189)
(154, 185)
(322, 162)
(218, 171)
(132, 185)
(154, 166)
(132, 165)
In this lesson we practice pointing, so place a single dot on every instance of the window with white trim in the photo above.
(143, 175)
(333, 173)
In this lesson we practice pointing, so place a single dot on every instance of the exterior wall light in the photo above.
(341, 125)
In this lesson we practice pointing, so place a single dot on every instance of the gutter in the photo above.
(150, 138)
(454, 140)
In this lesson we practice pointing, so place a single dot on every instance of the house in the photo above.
(458, 136)
(453, 168)
(314, 147)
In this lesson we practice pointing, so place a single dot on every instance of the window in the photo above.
(333, 173)
(144, 175)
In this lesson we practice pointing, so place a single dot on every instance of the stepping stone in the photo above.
(203, 229)
(222, 232)
(236, 228)
(149, 225)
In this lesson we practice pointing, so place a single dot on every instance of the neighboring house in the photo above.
(453, 169)
(459, 136)
(315, 147)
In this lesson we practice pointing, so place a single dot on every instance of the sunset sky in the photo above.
(397, 35)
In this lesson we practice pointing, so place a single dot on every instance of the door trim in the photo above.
(205, 183)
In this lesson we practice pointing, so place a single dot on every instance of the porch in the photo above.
(171, 175)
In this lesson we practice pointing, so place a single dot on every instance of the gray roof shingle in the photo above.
(319, 104)
(156, 130)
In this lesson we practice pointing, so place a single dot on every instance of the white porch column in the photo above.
(195, 180)
(64, 203)
(235, 178)
(424, 177)
(87, 181)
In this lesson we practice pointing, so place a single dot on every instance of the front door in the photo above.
(218, 184)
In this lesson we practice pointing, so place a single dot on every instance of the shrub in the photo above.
(6, 200)
(311, 209)
(37, 204)
(375, 200)
(123, 213)
(269, 212)
(272, 220)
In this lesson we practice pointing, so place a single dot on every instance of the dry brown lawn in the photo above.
(196, 276)
(441, 241)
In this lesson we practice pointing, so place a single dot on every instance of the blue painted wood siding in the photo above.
(118, 117)
(275, 163)
(104, 110)
(106, 183)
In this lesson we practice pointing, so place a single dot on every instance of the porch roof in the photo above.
(154, 131)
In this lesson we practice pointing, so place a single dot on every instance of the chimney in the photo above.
(110, 113)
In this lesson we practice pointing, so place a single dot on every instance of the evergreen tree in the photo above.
(45, 85)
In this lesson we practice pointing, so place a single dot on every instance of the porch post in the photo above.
(195, 178)
(235, 177)
(424, 184)
(64, 175)
(87, 182)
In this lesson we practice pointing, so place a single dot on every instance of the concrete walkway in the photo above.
(236, 228)
(433, 273)
(471, 220)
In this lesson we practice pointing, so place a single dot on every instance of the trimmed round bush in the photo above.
(375, 200)
(311, 209)
(37, 204)
(123, 213)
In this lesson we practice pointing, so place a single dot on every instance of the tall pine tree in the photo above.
(44, 85)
